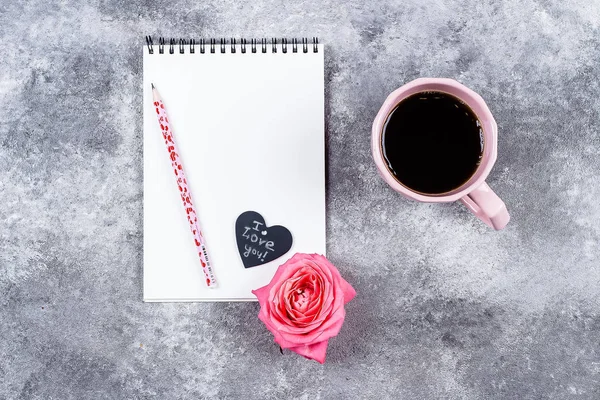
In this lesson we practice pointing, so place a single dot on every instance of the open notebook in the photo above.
(249, 122)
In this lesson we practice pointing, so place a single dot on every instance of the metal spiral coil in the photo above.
(210, 45)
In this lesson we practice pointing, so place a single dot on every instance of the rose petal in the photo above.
(316, 351)
(291, 266)
(284, 275)
(327, 287)
(337, 308)
(284, 341)
(286, 327)
(323, 269)
(349, 292)
(275, 328)
(268, 324)
(331, 323)
(327, 330)
(262, 294)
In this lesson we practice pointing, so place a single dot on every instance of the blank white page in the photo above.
(250, 132)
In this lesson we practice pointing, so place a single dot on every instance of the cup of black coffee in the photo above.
(435, 140)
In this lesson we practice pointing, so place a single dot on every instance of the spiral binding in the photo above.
(211, 46)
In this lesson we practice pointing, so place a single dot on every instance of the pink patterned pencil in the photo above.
(184, 191)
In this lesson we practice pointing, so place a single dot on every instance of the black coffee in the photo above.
(432, 142)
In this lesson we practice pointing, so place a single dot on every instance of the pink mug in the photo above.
(475, 193)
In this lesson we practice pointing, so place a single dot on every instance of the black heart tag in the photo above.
(257, 243)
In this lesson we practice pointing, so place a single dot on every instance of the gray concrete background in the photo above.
(446, 308)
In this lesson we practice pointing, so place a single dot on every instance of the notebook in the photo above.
(248, 118)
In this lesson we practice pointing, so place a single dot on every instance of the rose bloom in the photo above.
(303, 305)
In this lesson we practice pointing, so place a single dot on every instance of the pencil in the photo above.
(184, 190)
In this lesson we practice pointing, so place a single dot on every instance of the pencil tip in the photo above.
(152, 85)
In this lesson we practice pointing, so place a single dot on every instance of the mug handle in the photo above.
(487, 206)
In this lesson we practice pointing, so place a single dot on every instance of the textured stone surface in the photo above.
(446, 308)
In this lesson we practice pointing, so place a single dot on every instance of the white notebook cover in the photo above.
(250, 132)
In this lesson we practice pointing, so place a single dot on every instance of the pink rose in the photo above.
(303, 305)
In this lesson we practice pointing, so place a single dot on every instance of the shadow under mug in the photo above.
(475, 193)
